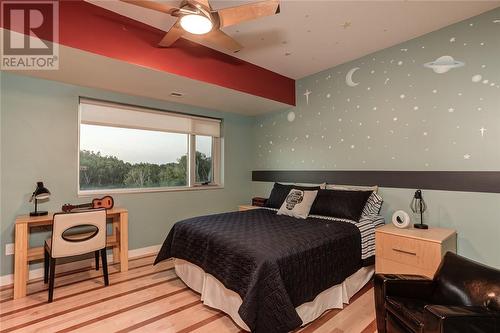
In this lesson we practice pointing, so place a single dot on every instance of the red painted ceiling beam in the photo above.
(94, 29)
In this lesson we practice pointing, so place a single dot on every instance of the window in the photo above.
(203, 162)
(127, 149)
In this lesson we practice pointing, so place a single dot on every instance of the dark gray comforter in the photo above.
(275, 263)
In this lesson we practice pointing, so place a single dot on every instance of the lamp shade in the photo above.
(418, 204)
(41, 192)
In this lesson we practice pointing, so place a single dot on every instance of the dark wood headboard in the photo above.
(465, 181)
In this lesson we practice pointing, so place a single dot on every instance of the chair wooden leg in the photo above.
(97, 260)
(105, 266)
(46, 259)
(51, 278)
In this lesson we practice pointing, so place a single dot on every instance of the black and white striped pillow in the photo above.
(373, 205)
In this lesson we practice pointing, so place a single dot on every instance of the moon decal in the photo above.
(348, 78)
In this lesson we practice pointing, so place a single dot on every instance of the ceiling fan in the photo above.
(196, 19)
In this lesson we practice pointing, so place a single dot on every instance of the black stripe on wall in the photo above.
(466, 181)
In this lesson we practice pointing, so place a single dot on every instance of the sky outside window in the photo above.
(134, 145)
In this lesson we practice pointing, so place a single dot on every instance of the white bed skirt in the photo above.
(214, 294)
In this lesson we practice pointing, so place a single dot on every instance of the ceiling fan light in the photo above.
(196, 24)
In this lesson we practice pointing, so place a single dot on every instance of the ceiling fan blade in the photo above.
(234, 15)
(171, 36)
(160, 7)
(217, 38)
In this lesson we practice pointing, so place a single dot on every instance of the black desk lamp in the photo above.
(40, 193)
(418, 205)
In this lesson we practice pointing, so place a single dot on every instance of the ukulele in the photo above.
(106, 202)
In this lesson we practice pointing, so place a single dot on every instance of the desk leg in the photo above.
(123, 242)
(115, 232)
(21, 260)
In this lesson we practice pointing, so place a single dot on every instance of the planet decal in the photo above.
(444, 64)
(348, 78)
(290, 116)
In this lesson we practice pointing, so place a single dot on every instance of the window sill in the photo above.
(87, 193)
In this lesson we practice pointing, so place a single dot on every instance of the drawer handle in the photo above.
(405, 252)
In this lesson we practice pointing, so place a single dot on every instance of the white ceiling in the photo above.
(309, 36)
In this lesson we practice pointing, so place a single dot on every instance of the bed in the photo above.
(269, 272)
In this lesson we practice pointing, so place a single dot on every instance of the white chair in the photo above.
(66, 242)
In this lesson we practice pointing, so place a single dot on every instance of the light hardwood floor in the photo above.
(145, 299)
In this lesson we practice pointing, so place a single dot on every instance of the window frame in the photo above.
(217, 169)
(214, 158)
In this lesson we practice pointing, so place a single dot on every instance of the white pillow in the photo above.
(351, 187)
(321, 186)
(298, 203)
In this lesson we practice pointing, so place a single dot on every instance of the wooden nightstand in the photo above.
(247, 207)
(412, 251)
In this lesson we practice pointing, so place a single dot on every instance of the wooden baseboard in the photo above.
(38, 272)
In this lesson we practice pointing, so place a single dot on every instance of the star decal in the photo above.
(346, 25)
(307, 93)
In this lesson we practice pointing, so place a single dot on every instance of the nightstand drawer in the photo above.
(389, 266)
(407, 251)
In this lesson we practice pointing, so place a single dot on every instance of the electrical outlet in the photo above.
(9, 249)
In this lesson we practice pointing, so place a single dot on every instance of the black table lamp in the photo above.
(418, 205)
(40, 193)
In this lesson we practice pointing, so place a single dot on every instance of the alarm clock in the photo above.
(401, 219)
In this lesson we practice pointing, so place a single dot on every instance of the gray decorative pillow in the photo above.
(373, 205)
(298, 203)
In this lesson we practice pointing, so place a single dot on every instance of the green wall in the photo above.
(39, 142)
(397, 114)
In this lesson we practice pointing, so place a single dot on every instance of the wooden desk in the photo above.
(23, 254)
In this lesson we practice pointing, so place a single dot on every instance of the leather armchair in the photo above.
(463, 297)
